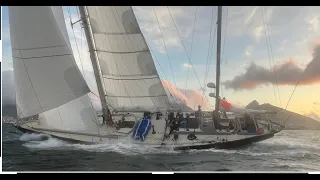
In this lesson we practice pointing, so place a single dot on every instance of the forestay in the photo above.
(130, 78)
(46, 74)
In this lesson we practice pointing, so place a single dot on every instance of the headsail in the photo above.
(130, 78)
(76, 116)
(45, 71)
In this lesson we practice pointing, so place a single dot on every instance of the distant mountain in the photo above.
(253, 105)
(295, 120)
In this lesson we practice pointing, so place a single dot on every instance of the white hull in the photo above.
(155, 140)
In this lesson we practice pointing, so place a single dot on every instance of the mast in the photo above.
(94, 61)
(218, 60)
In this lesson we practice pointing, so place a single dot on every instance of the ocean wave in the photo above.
(38, 141)
(279, 147)
(34, 137)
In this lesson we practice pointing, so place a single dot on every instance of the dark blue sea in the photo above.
(291, 150)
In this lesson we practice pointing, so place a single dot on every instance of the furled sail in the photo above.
(46, 74)
(130, 78)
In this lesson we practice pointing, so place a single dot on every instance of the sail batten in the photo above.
(45, 71)
(123, 52)
(127, 77)
(128, 72)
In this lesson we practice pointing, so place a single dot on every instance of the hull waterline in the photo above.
(234, 144)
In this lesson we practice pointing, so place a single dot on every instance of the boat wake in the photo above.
(34, 137)
(45, 142)
(280, 146)
(282, 152)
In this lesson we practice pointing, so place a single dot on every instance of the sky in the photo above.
(265, 52)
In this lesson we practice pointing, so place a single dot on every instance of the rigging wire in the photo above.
(165, 47)
(272, 69)
(155, 81)
(80, 54)
(74, 35)
(82, 37)
(81, 33)
(116, 63)
(81, 49)
(295, 87)
(209, 51)
(223, 45)
(186, 51)
(80, 57)
(272, 55)
(137, 45)
(194, 26)
(174, 98)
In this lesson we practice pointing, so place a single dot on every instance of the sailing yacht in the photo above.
(50, 85)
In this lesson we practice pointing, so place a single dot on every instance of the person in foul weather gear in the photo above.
(198, 115)
(224, 112)
(170, 117)
(173, 126)
(216, 120)
(104, 119)
(186, 121)
(109, 115)
(179, 117)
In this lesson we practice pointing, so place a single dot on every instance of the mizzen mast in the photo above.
(218, 60)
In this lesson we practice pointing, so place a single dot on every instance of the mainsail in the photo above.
(46, 74)
(129, 76)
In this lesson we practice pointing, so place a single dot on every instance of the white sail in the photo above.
(46, 74)
(130, 78)
(75, 116)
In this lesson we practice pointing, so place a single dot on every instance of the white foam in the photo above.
(33, 137)
(292, 143)
(280, 145)
(122, 146)
(46, 144)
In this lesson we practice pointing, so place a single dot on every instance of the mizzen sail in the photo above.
(46, 74)
(130, 78)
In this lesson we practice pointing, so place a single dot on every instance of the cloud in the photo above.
(147, 18)
(314, 23)
(251, 15)
(5, 34)
(287, 73)
(191, 98)
(187, 65)
(248, 50)
(257, 32)
(316, 103)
